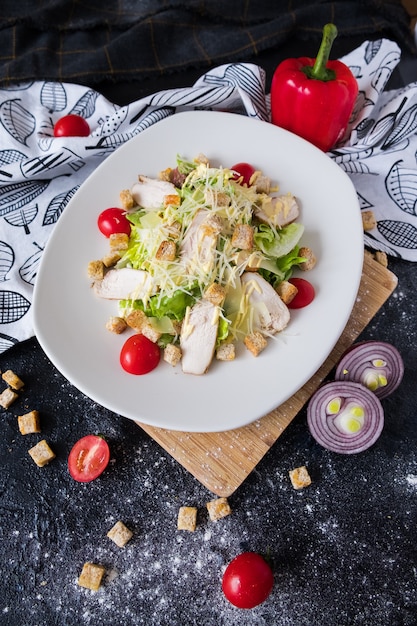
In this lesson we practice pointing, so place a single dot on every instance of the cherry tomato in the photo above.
(112, 221)
(71, 126)
(305, 294)
(139, 355)
(88, 458)
(247, 580)
(244, 171)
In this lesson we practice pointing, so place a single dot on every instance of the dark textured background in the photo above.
(93, 41)
(344, 550)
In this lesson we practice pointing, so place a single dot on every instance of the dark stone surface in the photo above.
(344, 549)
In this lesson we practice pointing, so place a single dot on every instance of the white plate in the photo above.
(70, 320)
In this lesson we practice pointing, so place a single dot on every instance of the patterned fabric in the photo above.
(130, 40)
(39, 174)
(380, 152)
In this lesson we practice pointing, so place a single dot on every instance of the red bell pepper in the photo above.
(314, 98)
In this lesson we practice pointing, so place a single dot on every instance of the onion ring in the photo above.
(375, 364)
(345, 417)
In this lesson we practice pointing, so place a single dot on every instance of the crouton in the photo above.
(310, 259)
(215, 294)
(286, 291)
(7, 397)
(210, 227)
(300, 477)
(167, 250)
(218, 508)
(120, 534)
(187, 518)
(29, 423)
(255, 342)
(109, 260)
(381, 258)
(165, 174)
(136, 319)
(118, 242)
(91, 576)
(116, 324)
(226, 352)
(126, 198)
(95, 270)
(243, 237)
(12, 380)
(172, 199)
(368, 220)
(41, 453)
(172, 354)
(150, 332)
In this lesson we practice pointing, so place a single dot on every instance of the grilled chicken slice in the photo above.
(273, 313)
(198, 247)
(123, 284)
(278, 211)
(198, 337)
(149, 193)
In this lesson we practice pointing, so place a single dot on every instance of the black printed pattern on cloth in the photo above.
(380, 154)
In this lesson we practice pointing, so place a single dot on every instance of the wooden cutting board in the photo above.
(221, 461)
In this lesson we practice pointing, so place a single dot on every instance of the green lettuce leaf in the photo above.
(159, 306)
(222, 330)
(278, 243)
(185, 166)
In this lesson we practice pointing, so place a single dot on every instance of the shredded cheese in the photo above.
(201, 223)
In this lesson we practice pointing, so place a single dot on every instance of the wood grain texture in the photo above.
(222, 461)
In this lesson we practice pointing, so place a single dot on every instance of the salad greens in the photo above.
(215, 194)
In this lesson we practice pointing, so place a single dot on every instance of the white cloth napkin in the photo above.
(39, 173)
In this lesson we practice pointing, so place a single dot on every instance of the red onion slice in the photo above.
(345, 417)
(375, 364)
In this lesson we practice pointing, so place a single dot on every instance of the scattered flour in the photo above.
(412, 479)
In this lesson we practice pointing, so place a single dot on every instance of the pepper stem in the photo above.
(319, 71)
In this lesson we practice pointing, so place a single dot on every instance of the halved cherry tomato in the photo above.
(113, 220)
(139, 355)
(71, 126)
(305, 294)
(244, 171)
(88, 458)
(247, 580)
